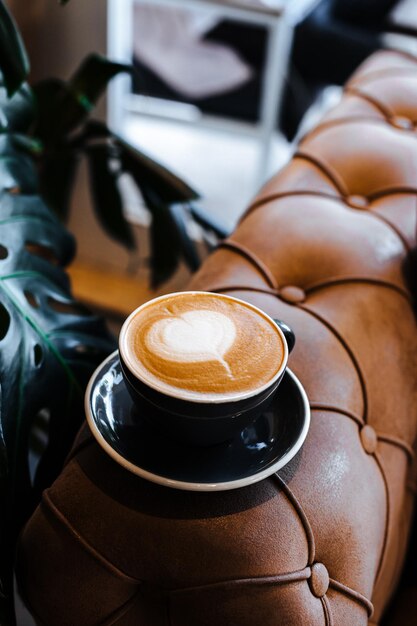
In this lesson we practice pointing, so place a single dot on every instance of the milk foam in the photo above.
(193, 336)
(202, 346)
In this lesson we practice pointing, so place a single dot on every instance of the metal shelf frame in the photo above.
(278, 17)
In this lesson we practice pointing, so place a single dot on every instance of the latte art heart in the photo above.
(193, 336)
(201, 346)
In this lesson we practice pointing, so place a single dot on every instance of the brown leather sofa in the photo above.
(327, 246)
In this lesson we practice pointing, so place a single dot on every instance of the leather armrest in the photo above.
(326, 246)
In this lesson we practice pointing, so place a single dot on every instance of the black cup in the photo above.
(207, 422)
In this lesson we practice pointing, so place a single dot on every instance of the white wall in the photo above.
(58, 38)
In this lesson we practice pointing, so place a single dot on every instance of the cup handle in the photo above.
(288, 332)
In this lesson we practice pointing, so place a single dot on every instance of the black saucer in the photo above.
(259, 450)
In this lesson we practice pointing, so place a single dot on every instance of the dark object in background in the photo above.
(328, 45)
(242, 103)
(368, 13)
(331, 42)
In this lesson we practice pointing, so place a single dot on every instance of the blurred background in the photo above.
(221, 92)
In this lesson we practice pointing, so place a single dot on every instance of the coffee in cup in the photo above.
(202, 365)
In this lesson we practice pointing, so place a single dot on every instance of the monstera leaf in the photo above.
(17, 112)
(14, 60)
(49, 345)
(56, 115)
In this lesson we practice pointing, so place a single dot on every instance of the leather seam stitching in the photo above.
(330, 409)
(278, 579)
(339, 121)
(379, 106)
(382, 193)
(363, 120)
(387, 518)
(223, 288)
(81, 541)
(326, 169)
(327, 611)
(284, 194)
(352, 594)
(395, 441)
(120, 611)
(377, 282)
(302, 516)
(391, 226)
(381, 74)
(399, 443)
(79, 448)
(239, 248)
(348, 350)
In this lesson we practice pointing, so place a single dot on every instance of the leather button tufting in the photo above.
(292, 294)
(369, 439)
(357, 202)
(319, 581)
(401, 122)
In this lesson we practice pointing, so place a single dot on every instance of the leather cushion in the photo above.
(326, 246)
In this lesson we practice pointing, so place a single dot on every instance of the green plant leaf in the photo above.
(92, 77)
(17, 170)
(17, 111)
(164, 239)
(14, 63)
(208, 222)
(145, 171)
(49, 346)
(140, 166)
(188, 248)
(107, 200)
(56, 180)
(38, 310)
(6, 601)
(7, 614)
(3, 457)
(58, 112)
(63, 106)
(91, 130)
(49, 97)
(165, 194)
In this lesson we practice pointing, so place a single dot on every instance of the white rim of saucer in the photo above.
(184, 485)
(237, 396)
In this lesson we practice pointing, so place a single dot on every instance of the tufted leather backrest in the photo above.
(326, 246)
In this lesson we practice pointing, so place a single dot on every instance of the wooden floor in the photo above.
(114, 293)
